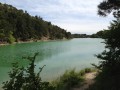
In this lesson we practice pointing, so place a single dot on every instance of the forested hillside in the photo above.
(17, 25)
(80, 36)
(100, 34)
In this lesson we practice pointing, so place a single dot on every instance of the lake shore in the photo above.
(40, 40)
(30, 41)
(64, 55)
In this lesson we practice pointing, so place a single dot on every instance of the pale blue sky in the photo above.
(76, 16)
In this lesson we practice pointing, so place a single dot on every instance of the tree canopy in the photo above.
(109, 77)
(108, 6)
(110, 56)
(16, 25)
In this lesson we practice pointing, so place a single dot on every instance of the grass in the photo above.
(71, 79)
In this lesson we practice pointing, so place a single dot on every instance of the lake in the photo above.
(58, 56)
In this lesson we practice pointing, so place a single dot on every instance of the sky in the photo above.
(75, 16)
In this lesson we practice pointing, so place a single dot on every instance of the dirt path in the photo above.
(89, 79)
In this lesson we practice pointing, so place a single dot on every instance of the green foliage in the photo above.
(100, 34)
(80, 36)
(11, 39)
(68, 80)
(108, 6)
(82, 72)
(88, 70)
(109, 77)
(71, 79)
(110, 56)
(25, 27)
(26, 78)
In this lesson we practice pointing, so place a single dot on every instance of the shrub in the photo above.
(68, 80)
(26, 79)
(82, 72)
(87, 70)
(11, 38)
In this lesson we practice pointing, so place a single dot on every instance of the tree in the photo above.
(108, 6)
(2, 36)
(101, 34)
(111, 54)
(26, 27)
(11, 38)
(109, 77)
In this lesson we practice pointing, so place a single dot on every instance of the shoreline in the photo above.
(30, 41)
(4, 44)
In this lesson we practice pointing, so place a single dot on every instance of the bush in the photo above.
(82, 72)
(71, 79)
(68, 80)
(87, 70)
(26, 79)
(11, 38)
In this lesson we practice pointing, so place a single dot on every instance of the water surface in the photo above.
(58, 56)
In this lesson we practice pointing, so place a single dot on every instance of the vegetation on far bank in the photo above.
(99, 34)
(17, 25)
(80, 36)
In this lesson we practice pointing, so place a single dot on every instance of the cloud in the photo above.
(83, 26)
(77, 16)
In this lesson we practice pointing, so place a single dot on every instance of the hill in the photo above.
(17, 25)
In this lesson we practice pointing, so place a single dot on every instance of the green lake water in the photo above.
(58, 56)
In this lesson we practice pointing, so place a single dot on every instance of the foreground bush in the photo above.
(26, 79)
(68, 80)
(71, 79)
